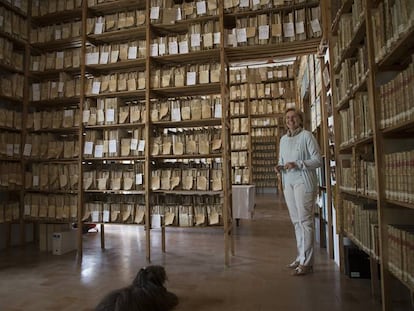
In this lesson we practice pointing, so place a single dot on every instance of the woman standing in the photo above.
(299, 156)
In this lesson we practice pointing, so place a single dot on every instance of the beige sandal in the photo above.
(302, 270)
(293, 265)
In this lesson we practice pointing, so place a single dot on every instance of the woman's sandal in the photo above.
(293, 265)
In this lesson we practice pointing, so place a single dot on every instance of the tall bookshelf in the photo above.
(371, 91)
(14, 60)
(143, 73)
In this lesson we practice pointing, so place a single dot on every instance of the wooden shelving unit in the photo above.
(374, 156)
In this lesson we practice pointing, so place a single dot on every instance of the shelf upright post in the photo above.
(148, 128)
(81, 130)
(375, 115)
(225, 134)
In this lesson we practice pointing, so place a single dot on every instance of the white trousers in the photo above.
(300, 206)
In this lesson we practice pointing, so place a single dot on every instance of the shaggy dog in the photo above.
(147, 293)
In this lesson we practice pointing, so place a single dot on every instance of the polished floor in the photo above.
(255, 281)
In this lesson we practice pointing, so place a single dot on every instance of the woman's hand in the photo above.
(290, 165)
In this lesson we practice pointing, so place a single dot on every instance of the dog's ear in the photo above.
(152, 275)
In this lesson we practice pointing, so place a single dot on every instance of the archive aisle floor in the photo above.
(256, 280)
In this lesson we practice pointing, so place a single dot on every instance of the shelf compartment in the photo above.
(206, 56)
(133, 64)
(53, 74)
(53, 161)
(405, 128)
(117, 6)
(401, 204)
(352, 46)
(61, 130)
(137, 33)
(114, 159)
(188, 192)
(345, 8)
(57, 102)
(62, 17)
(358, 196)
(114, 126)
(137, 94)
(364, 248)
(190, 90)
(187, 156)
(286, 49)
(19, 43)
(52, 191)
(188, 123)
(13, 8)
(361, 86)
(400, 54)
(9, 159)
(122, 192)
(9, 68)
(62, 44)
(181, 26)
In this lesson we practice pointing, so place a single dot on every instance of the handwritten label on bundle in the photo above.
(183, 47)
(300, 27)
(176, 114)
(155, 12)
(35, 181)
(98, 151)
(201, 8)
(216, 39)
(195, 39)
(85, 116)
(138, 179)
(264, 32)
(96, 87)
(110, 115)
(154, 49)
(241, 35)
(27, 151)
(161, 49)
(191, 78)
(112, 146)
(132, 52)
(104, 58)
(88, 147)
(141, 145)
(9, 150)
(173, 47)
(316, 27)
(244, 3)
(114, 56)
(217, 110)
(134, 144)
(105, 216)
(289, 30)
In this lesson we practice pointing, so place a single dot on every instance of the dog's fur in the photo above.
(146, 293)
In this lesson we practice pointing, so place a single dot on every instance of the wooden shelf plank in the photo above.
(120, 192)
(52, 191)
(10, 129)
(399, 53)
(115, 159)
(62, 130)
(403, 129)
(138, 33)
(181, 26)
(260, 52)
(188, 156)
(357, 195)
(190, 90)
(137, 94)
(114, 126)
(9, 159)
(62, 17)
(57, 102)
(9, 68)
(126, 65)
(345, 8)
(11, 99)
(206, 56)
(54, 73)
(61, 44)
(17, 42)
(117, 6)
(13, 8)
(188, 123)
(188, 192)
(399, 203)
(55, 161)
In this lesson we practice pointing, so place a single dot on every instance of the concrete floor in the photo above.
(255, 281)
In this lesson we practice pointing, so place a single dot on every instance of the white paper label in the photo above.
(100, 117)
(179, 15)
(61, 86)
(155, 12)
(316, 27)
(96, 87)
(60, 55)
(68, 113)
(104, 58)
(238, 179)
(216, 38)
(9, 150)
(98, 28)
(95, 216)
(27, 150)
(141, 145)
(114, 56)
(191, 78)
(35, 181)
(132, 52)
(201, 8)
(154, 49)
(35, 66)
(26, 209)
(58, 34)
(105, 217)
(173, 47)
(138, 179)
(217, 110)
(270, 74)
(98, 151)
(195, 39)
(112, 146)
(241, 35)
(88, 147)
(110, 115)
(264, 32)
(267, 90)
(256, 2)
(300, 27)
(244, 3)
(85, 116)
(183, 47)
(176, 114)
(134, 144)
(36, 91)
(289, 30)
(161, 49)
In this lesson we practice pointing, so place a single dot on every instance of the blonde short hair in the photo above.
(297, 112)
